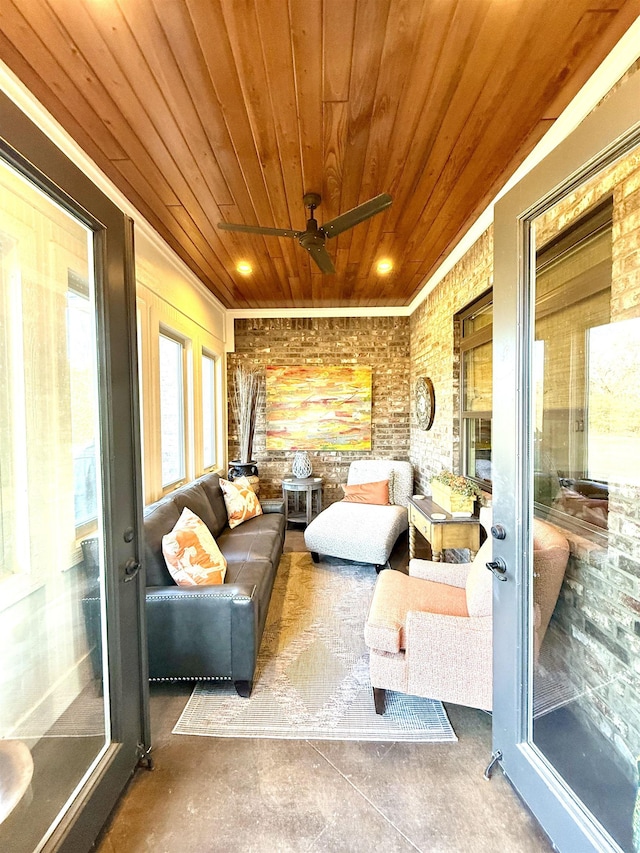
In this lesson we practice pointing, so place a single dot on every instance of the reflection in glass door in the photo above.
(586, 460)
(566, 496)
(54, 688)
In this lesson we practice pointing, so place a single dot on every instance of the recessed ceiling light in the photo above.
(384, 266)
(244, 268)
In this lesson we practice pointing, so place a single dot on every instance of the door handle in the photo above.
(499, 568)
(131, 569)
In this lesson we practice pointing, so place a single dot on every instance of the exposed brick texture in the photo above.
(380, 342)
(435, 341)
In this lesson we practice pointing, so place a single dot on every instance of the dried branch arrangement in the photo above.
(244, 404)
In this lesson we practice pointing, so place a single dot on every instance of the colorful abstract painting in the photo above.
(318, 408)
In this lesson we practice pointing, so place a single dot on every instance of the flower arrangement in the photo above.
(458, 484)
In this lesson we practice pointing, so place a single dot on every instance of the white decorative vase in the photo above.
(301, 465)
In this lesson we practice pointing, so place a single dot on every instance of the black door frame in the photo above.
(31, 152)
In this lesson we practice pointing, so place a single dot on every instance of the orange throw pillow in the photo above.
(368, 493)
(191, 553)
(241, 502)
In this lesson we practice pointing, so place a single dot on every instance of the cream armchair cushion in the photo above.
(386, 624)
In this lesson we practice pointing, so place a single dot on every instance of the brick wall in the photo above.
(435, 339)
(380, 342)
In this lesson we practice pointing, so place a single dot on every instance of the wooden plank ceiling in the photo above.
(209, 110)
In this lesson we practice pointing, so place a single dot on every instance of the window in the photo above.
(81, 354)
(208, 412)
(172, 435)
(476, 352)
(580, 438)
(182, 413)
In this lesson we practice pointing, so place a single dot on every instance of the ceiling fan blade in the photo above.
(358, 214)
(259, 229)
(321, 257)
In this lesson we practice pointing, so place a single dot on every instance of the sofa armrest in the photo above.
(272, 505)
(454, 574)
(207, 632)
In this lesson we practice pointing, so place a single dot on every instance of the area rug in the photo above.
(312, 677)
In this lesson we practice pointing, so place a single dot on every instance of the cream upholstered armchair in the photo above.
(430, 633)
(364, 532)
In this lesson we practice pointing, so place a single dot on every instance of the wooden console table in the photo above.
(310, 487)
(441, 533)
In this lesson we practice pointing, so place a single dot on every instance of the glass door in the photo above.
(567, 483)
(66, 589)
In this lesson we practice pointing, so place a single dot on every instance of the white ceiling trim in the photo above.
(247, 313)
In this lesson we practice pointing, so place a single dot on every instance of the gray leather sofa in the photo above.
(210, 632)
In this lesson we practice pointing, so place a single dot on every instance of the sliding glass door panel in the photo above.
(73, 721)
(567, 482)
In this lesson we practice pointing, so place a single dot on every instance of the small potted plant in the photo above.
(453, 492)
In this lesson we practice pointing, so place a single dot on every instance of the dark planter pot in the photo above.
(242, 469)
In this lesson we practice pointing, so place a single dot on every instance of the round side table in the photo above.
(292, 489)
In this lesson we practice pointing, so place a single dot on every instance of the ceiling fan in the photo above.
(313, 238)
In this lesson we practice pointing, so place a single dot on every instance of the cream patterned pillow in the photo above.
(241, 502)
(191, 553)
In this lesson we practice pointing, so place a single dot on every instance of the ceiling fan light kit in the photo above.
(314, 237)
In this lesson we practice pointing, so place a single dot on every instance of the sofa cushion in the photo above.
(196, 499)
(191, 553)
(159, 518)
(394, 595)
(368, 493)
(211, 486)
(241, 501)
(258, 538)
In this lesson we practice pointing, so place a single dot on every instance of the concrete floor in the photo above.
(263, 796)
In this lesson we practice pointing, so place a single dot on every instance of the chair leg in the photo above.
(378, 699)
(315, 556)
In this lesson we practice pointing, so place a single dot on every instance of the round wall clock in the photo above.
(425, 402)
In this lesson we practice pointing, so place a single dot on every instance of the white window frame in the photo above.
(212, 464)
(470, 342)
(157, 300)
(184, 343)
